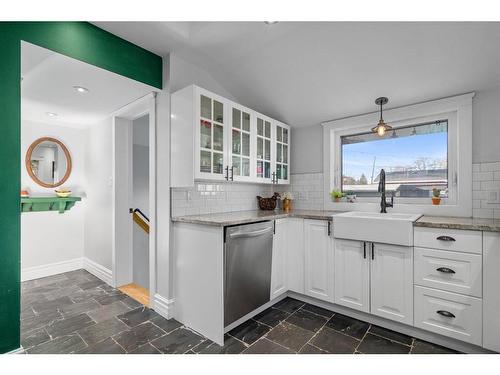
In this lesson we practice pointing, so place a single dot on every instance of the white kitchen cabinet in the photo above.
(215, 139)
(241, 143)
(391, 286)
(491, 294)
(279, 260)
(375, 278)
(282, 153)
(319, 267)
(295, 255)
(352, 274)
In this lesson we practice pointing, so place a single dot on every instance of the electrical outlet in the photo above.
(493, 196)
(189, 196)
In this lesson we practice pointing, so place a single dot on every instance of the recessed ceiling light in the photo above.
(81, 89)
(51, 114)
(270, 22)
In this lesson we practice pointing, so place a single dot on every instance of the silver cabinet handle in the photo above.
(251, 234)
(445, 313)
(446, 238)
(445, 270)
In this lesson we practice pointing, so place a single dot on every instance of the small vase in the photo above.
(287, 205)
(436, 201)
(337, 199)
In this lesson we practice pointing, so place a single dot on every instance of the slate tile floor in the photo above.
(75, 312)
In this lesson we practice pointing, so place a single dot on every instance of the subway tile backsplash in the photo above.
(485, 179)
(206, 198)
(307, 190)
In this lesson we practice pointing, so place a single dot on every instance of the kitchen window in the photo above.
(414, 157)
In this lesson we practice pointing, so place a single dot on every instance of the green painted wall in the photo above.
(81, 41)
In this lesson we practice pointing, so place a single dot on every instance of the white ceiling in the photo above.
(304, 73)
(47, 86)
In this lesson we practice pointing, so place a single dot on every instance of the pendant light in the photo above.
(381, 127)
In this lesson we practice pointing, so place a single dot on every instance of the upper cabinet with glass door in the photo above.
(213, 138)
(211, 159)
(282, 154)
(241, 146)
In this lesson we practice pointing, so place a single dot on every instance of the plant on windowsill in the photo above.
(336, 195)
(436, 196)
(350, 196)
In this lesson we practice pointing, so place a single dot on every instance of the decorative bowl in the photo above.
(63, 193)
(268, 204)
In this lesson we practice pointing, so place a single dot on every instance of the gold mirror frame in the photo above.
(28, 162)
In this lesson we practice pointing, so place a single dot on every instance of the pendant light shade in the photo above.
(381, 127)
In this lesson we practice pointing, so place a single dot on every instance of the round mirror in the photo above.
(48, 162)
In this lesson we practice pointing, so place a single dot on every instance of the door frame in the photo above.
(132, 111)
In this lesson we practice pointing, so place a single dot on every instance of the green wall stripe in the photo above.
(81, 41)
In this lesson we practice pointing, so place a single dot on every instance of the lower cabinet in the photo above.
(375, 278)
(392, 282)
(491, 294)
(319, 265)
(352, 274)
(295, 255)
(279, 260)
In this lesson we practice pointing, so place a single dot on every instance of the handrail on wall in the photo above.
(140, 219)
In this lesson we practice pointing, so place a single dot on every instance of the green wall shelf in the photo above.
(37, 204)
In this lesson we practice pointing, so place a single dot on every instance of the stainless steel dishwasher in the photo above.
(247, 268)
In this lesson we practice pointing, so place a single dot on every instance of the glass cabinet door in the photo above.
(282, 154)
(211, 147)
(263, 156)
(240, 144)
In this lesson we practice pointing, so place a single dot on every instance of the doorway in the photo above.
(134, 195)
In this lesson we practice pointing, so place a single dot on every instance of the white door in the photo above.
(241, 141)
(318, 246)
(211, 122)
(295, 255)
(278, 271)
(282, 153)
(352, 274)
(392, 282)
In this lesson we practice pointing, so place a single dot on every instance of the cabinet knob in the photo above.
(445, 313)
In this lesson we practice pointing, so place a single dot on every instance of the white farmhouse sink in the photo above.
(390, 228)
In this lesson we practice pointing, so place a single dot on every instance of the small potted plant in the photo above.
(436, 196)
(287, 201)
(350, 196)
(336, 195)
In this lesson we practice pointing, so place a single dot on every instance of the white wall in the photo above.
(486, 126)
(307, 153)
(50, 237)
(140, 197)
(98, 207)
(183, 73)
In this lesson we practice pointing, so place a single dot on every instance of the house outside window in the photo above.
(414, 157)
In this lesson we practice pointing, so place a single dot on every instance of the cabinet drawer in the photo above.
(449, 270)
(449, 314)
(467, 241)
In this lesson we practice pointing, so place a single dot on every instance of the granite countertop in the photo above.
(467, 223)
(245, 217)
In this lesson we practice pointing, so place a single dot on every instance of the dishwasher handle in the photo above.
(255, 233)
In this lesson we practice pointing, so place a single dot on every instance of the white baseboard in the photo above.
(36, 272)
(16, 351)
(103, 273)
(163, 306)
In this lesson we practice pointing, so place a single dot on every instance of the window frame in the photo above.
(456, 110)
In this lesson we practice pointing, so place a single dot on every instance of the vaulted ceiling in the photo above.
(304, 73)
